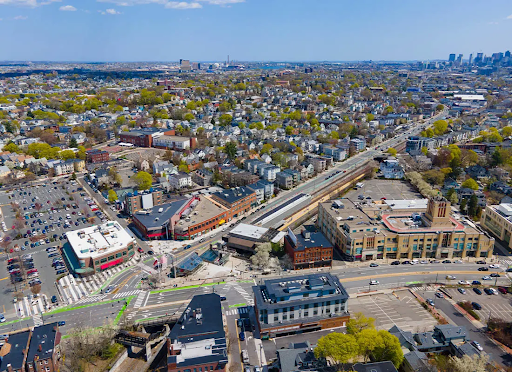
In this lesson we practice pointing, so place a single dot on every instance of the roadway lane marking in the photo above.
(166, 304)
(4, 278)
(355, 279)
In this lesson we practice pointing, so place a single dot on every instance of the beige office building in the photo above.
(401, 229)
(497, 219)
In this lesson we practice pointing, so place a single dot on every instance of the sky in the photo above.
(251, 30)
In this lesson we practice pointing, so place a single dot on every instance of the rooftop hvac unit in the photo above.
(160, 210)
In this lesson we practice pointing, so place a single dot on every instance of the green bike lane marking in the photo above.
(186, 287)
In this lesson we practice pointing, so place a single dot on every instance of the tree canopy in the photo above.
(143, 180)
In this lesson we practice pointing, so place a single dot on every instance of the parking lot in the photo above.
(48, 211)
(377, 188)
(496, 305)
(401, 309)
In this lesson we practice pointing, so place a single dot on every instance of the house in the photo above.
(4, 171)
(477, 171)
(202, 177)
(284, 180)
(299, 357)
(500, 187)
(164, 167)
(310, 249)
(391, 169)
(79, 137)
(358, 143)
(264, 189)
(337, 153)
(180, 180)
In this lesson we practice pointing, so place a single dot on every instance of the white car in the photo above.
(487, 277)
(494, 266)
(477, 345)
(374, 282)
(464, 282)
(450, 277)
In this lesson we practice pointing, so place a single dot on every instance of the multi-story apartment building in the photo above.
(308, 250)
(180, 180)
(401, 229)
(497, 219)
(284, 180)
(138, 200)
(97, 156)
(34, 350)
(197, 342)
(300, 304)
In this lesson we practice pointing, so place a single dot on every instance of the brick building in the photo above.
(309, 249)
(139, 200)
(97, 156)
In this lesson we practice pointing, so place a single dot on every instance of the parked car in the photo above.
(476, 282)
(374, 282)
(373, 264)
(502, 290)
(430, 302)
(477, 291)
(395, 263)
(461, 290)
(477, 345)
(488, 291)
(495, 275)
(440, 294)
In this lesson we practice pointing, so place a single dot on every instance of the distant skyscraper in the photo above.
(459, 60)
(479, 58)
(470, 59)
(507, 53)
(451, 58)
(185, 65)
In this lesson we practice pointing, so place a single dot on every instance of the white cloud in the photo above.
(20, 18)
(182, 5)
(223, 2)
(509, 17)
(68, 8)
(112, 11)
(191, 4)
(27, 3)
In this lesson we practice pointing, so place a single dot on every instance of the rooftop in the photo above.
(233, 195)
(42, 341)
(12, 350)
(308, 239)
(406, 224)
(160, 214)
(204, 210)
(96, 241)
(199, 334)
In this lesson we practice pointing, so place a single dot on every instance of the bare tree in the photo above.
(261, 257)
(5, 243)
(38, 206)
(35, 289)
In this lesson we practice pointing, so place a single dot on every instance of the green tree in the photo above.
(266, 149)
(472, 205)
(439, 107)
(434, 176)
(230, 149)
(392, 151)
(337, 347)
(72, 143)
(67, 154)
(506, 132)
(112, 196)
(424, 150)
(368, 340)
(370, 117)
(225, 119)
(188, 117)
(440, 127)
(12, 147)
(463, 204)
(289, 130)
(81, 153)
(143, 180)
(388, 349)
(470, 184)
(358, 322)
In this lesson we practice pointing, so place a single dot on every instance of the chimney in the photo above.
(40, 348)
(9, 368)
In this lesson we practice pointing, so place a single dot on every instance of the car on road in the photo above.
(257, 369)
(222, 298)
(373, 264)
(461, 290)
(494, 266)
(109, 289)
(2, 318)
(374, 282)
(61, 323)
(406, 262)
(495, 275)
(242, 336)
(188, 247)
(446, 261)
(483, 269)
(476, 282)
(151, 253)
(486, 277)
(440, 294)
(477, 345)
(140, 250)
(481, 262)
(423, 262)
(477, 291)
(395, 263)
(463, 282)
(451, 277)
(430, 302)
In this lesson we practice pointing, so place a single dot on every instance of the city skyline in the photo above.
(249, 30)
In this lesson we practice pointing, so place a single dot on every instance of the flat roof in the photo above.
(397, 223)
(407, 204)
(43, 335)
(99, 240)
(173, 138)
(249, 231)
(204, 210)
(235, 194)
(12, 350)
(316, 239)
(149, 218)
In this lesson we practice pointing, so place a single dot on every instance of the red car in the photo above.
(32, 271)
(502, 290)
(140, 250)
